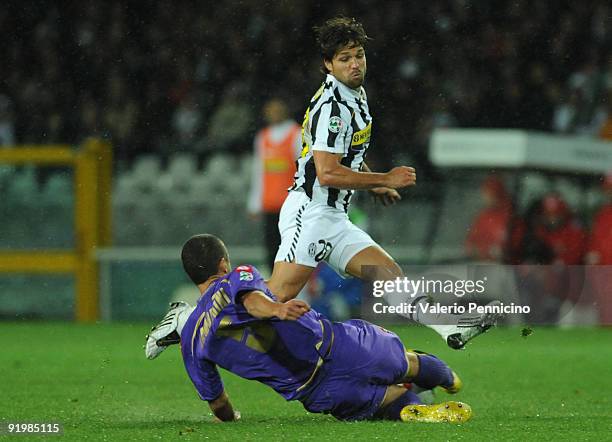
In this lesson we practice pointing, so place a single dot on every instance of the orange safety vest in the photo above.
(605, 133)
(278, 161)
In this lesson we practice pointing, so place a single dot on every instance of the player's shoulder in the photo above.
(245, 272)
(325, 92)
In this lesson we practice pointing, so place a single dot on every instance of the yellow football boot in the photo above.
(450, 412)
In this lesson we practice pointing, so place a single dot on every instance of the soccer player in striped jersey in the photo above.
(314, 225)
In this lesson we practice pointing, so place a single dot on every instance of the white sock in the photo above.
(444, 324)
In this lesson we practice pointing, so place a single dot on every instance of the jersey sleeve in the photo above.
(331, 128)
(244, 278)
(205, 378)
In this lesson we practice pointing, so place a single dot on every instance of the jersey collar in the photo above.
(345, 91)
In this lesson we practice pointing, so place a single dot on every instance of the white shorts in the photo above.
(312, 232)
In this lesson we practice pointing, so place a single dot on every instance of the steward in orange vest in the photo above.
(275, 149)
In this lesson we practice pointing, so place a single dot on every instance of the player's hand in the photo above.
(237, 417)
(292, 310)
(385, 195)
(401, 176)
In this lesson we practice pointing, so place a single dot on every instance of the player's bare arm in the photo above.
(332, 173)
(385, 195)
(223, 410)
(262, 307)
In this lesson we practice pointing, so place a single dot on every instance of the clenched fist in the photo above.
(402, 176)
(291, 310)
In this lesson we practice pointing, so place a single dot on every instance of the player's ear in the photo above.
(224, 266)
(328, 64)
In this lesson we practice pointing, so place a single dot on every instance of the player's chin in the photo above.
(355, 82)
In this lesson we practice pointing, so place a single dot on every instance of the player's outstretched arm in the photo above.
(223, 410)
(332, 173)
(262, 307)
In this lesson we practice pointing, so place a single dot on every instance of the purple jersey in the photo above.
(220, 331)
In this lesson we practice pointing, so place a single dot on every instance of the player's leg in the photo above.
(396, 398)
(373, 255)
(293, 264)
(456, 330)
(272, 237)
(402, 404)
(375, 355)
(429, 372)
(367, 364)
(288, 279)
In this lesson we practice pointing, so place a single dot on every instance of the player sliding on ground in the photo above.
(353, 370)
(314, 225)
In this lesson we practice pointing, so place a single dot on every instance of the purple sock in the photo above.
(392, 411)
(433, 372)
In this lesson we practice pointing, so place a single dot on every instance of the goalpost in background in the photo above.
(92, 164)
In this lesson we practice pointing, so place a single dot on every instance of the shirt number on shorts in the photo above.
(325, 250)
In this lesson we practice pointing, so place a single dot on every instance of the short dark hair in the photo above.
(201, 255)
(336, 33)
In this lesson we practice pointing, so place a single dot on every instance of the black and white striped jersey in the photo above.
(338, 121)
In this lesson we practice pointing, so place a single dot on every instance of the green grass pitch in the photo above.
(94, 379)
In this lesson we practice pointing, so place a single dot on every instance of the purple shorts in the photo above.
(364, 360)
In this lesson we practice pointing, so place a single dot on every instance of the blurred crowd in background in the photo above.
(173, 76)
(175, 85)
(547, 232)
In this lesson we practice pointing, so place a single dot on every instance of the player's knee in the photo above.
(388, 270)
(385, 269)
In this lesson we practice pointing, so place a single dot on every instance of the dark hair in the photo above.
(201, 255)
(336, 33)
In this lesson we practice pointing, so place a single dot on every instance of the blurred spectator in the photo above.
(488, 238)
(534, 250)
(124, 71)
(560, 231)
(187, 122)
(565, 118)
(7, 127)
(600, 241)
(600, 253)
(552, 237)
(90, 118)
(275, 149)
(603, 124)
(231, 122)
(120, 116)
